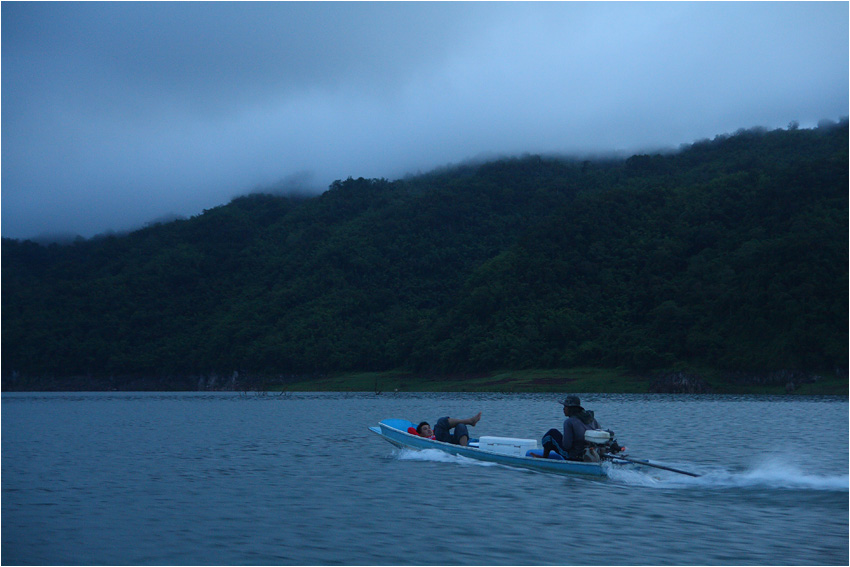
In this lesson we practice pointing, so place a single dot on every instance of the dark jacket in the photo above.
(574, 428)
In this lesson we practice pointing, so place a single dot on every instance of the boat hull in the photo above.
(395, 432)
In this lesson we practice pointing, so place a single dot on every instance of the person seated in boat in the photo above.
(570, 444)
(443, 429)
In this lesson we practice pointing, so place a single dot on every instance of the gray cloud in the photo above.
(114, 114)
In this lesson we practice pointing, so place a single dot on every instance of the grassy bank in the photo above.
(578, 380)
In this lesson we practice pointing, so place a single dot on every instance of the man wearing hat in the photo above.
(571, 443)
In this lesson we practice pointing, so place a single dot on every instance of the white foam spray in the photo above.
(435, 455)
(772, 473)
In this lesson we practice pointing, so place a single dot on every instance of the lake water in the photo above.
(219, 478)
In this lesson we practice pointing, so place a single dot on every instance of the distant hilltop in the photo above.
(730, 254)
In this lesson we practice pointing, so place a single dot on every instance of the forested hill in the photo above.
(730, 254)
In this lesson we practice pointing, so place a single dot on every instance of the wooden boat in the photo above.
(501, 450)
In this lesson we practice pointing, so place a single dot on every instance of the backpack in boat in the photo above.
(586, 417)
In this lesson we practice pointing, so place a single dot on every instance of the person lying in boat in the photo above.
(570, 444)
(443, 429)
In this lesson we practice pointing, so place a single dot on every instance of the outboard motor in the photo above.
(600, 442)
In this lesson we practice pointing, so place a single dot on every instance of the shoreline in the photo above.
(574, 380)
(582, 380)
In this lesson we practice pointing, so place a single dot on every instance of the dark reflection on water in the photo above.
(200, 478)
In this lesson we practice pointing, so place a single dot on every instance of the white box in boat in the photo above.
(507, 445)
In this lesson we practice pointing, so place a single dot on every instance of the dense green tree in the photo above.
(730, 253)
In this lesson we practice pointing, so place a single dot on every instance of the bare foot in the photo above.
(474, 419)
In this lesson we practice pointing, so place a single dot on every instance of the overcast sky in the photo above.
(116, 114)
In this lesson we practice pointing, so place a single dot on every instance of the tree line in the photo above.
(730, 253)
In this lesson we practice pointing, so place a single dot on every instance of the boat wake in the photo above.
(772, 474)
(435, 455)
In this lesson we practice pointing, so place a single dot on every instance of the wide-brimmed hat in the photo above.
(572, 401)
